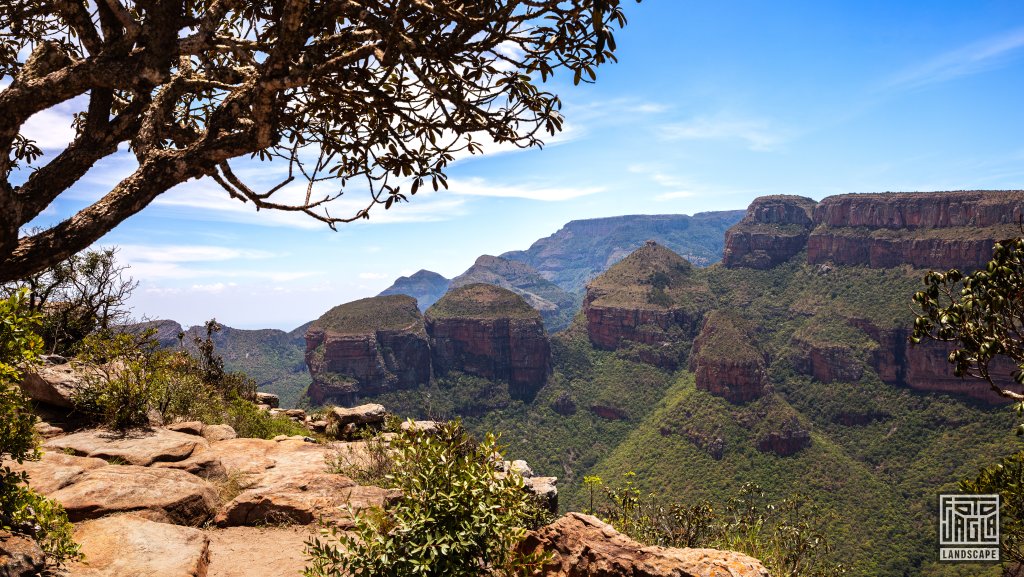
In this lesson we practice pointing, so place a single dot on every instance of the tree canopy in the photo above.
(349, 95)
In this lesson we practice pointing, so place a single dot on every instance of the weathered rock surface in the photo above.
(650, 298)
(129, 546)
(826, 362)
(53, 384)
(55, 470)
(367, 347)
(924, 230)
(287, 480)
(490, 332)
(724, 360)
(583, 546)
(165, 495)
(774, 230)
(136, 447)
(939, 230)
(268, 399)
(20, 556)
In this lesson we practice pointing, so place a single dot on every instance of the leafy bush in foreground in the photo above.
(22, 510)
(457, 516)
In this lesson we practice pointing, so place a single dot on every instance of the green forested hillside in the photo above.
(879, 454)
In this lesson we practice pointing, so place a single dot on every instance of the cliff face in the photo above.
(367, 347)
(774, 230)
(653, 299)
(926, 230)
(489, 332)
(925, 366)
(724, 360)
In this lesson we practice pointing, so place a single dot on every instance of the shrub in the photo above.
(128, 377)
(1007, 479)
(21, 509)
(457, 516)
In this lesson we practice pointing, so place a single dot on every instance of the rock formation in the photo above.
(490, 332)
(584, 546)
(774, 230)
(582, 249)
(725, 361)
(425, 286)
(651, 298)
(939, 230)
(367, 347)
(556, 306)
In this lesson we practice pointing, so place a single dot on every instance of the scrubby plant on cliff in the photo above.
(982, 312)
(457, 516)
(22, 510)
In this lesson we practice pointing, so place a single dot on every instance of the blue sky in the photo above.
(711, 105)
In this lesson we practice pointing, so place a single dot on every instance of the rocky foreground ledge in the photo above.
(171, 502)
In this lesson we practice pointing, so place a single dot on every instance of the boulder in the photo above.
(214, 433)
(158, 494)
(269, 399)
(129, 546)
(136, 447)
(545, 489)
(363, 415)
(187, 427)
(322, 496)
(419, 426)
(583, 546)
(20, 556)
(53, 384)
(54, 470)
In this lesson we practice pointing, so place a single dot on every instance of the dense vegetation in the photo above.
(878, 454)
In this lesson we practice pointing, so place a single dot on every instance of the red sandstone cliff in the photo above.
(367, 347)
(724, 360)
(938, 230)
(651, 302)
(774, 230)
(489, 332)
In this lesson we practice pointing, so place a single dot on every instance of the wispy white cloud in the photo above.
(674, 186)
(188, 253)
(480, 187)
(757, 133)
(973, 58)
(373, 275)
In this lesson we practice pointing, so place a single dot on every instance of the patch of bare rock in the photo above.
(125, 546)
(583, 545)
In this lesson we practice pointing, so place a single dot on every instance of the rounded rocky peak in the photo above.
(781, 209)
(650, 277)
(482, 301)
(389, 312)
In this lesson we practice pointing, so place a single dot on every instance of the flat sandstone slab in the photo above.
(128, 546)
(137, 447)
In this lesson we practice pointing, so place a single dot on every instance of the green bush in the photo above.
(128, 377)
(1005, 478)
(457, 515)
(21, 509)
(249, 421)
